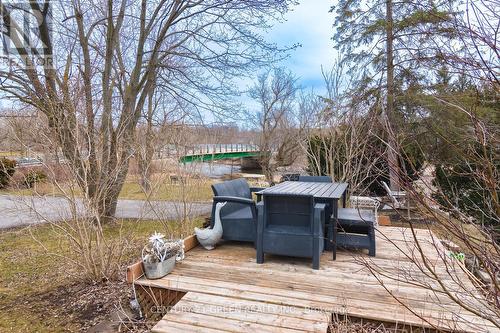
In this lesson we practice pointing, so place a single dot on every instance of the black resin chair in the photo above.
(290, 225)
(239, 215)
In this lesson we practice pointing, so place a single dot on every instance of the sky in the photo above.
(309, 24)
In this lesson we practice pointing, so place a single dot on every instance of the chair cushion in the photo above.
(355, 215)
(358, 221)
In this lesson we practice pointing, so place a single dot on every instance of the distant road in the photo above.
(26, 210)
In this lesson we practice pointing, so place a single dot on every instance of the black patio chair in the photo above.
(290, 225)
(317, 179)
(239, 215)
(328, 208)
(356, 229)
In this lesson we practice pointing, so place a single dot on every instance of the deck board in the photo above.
(234, 314)
(228, 277)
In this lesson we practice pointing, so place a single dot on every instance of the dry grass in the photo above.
(46, 188)
(199, 191)
(346, 324)
(36, 294)
(10, 154)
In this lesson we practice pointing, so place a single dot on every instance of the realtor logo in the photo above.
(23, 24)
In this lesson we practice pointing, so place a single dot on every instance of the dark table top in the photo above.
(318, 190)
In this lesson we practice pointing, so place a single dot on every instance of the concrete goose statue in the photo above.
(209, 237)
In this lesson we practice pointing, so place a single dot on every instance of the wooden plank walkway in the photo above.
(228, 291)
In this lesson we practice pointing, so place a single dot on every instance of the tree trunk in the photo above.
(145, 157)
(265, 162)
(106, 199)
(108, 208)
(392, 153)
(144, 165)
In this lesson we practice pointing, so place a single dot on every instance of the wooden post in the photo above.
(134, 272)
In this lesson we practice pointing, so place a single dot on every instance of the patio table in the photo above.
(329, 193)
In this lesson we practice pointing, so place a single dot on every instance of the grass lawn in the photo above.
(36, 293)
(199, 191)
(196, 192)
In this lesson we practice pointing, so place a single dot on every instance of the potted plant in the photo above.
(159, 256)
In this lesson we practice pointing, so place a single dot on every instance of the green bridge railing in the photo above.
(204, 153)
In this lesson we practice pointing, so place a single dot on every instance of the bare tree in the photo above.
(479, 293)
(472, 228)
(88, 250)
(275, 92)
(160, 114)
(94, 66)
(476, 52)
(339, 131)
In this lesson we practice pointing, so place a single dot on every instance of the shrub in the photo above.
(321, 151)
(34, 177)
(461, 188)
(7, 169)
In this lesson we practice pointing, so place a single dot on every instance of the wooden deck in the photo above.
(227, 291)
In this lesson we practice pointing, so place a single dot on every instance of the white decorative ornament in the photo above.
(157, 241)
(209, 237)
(180, 256)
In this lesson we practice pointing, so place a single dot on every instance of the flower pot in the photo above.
(158, 270)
